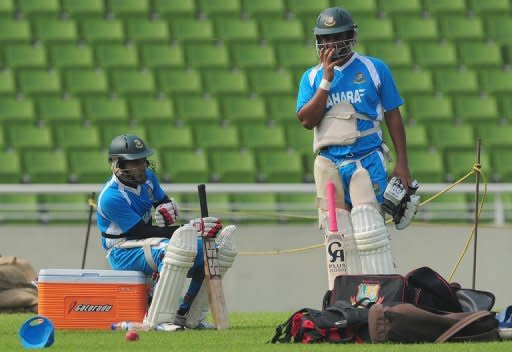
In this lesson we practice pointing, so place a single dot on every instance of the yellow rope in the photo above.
(476, 168)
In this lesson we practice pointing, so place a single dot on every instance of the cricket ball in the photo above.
(131, 335)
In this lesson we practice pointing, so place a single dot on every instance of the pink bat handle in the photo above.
(331, 203)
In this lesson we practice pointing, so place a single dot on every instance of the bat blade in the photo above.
(212, 271)
(334, 248)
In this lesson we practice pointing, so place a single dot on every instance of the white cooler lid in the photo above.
(92, 276)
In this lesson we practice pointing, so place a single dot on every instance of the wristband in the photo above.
(325, 85)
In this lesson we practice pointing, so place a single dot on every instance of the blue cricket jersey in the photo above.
(121, 207)
(366, 83)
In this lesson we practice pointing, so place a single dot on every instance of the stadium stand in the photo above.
(75, 73)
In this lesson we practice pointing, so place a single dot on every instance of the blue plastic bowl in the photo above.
(37, 332)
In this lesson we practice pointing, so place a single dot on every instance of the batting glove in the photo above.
(166, 214)
(207, 227)
(411, 208)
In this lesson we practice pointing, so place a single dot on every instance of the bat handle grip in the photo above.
(331, 203)
(201, 189)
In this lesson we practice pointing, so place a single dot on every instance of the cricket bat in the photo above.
(212, 271)
(334, 249)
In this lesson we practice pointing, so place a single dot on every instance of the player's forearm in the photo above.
(312, 113)
(397, 132)
(142, 230)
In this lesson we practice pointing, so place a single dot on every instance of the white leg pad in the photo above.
(227, 254)
(372, 240)
(325, 171)
(179, 257)
(352, 258)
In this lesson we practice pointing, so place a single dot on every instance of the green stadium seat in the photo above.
(175, 8)
(268, 82)
(14, 30)
(357, 7)
(505, 103)
(414, 81)
(186, 30)
(263, 8)
(83, 7)
(434, 55)
(27, 202)
(416, 28)
(310, 9)
(70, 136)
(461, 27)
(439, 7)
(496, 81)
(86, 81)
(426, 166)
(133, 81)
(502, 165)
(151, 109)
(277, 29)
(280, 166)
(6, 8)
(219, 7)
(373, 29)
(179, 81)
(494, 136)
(449, 207)
(499, 29)
(236, 29)
(11, 168)
(98, 109)
(28, 136)
(89, 166)
(225, 82)
(25, 55)
(197, 108)
(13, 109)
(430, 108)
(242, 110)
(218, 203)
(116, 55)
(2, 139)
(206, 55)
(165, 136)
(455, 81)
(185, 167)
(251, 55)
(252, 204)
(262, 137)
(299, 138)
(217, 137)
(39, 82)
(110, 130)
(44, 166)
(96, 30)
(7, 82)
(63, 208)
(233, 166)
(145, 30)
(400, 7)
(473, 54)
(162, 55)
(71, 56)
(394, 54)
(50, 29)
(128, 7)
(460, 162)
(476, 109)
(296, 55)
(282, 108)
(35, 7)
(479, 7)
(59, 109)
(452, 137)
(309, 164)
(417, 137)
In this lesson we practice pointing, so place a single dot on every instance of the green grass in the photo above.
(249, 332)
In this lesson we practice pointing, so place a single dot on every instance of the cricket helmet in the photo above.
(335, 21)
(125, 148)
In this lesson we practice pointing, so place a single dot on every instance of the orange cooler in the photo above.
(91, 299)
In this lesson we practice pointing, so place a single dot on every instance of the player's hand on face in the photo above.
(166, 214)
(326, 58)
(207, 227)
